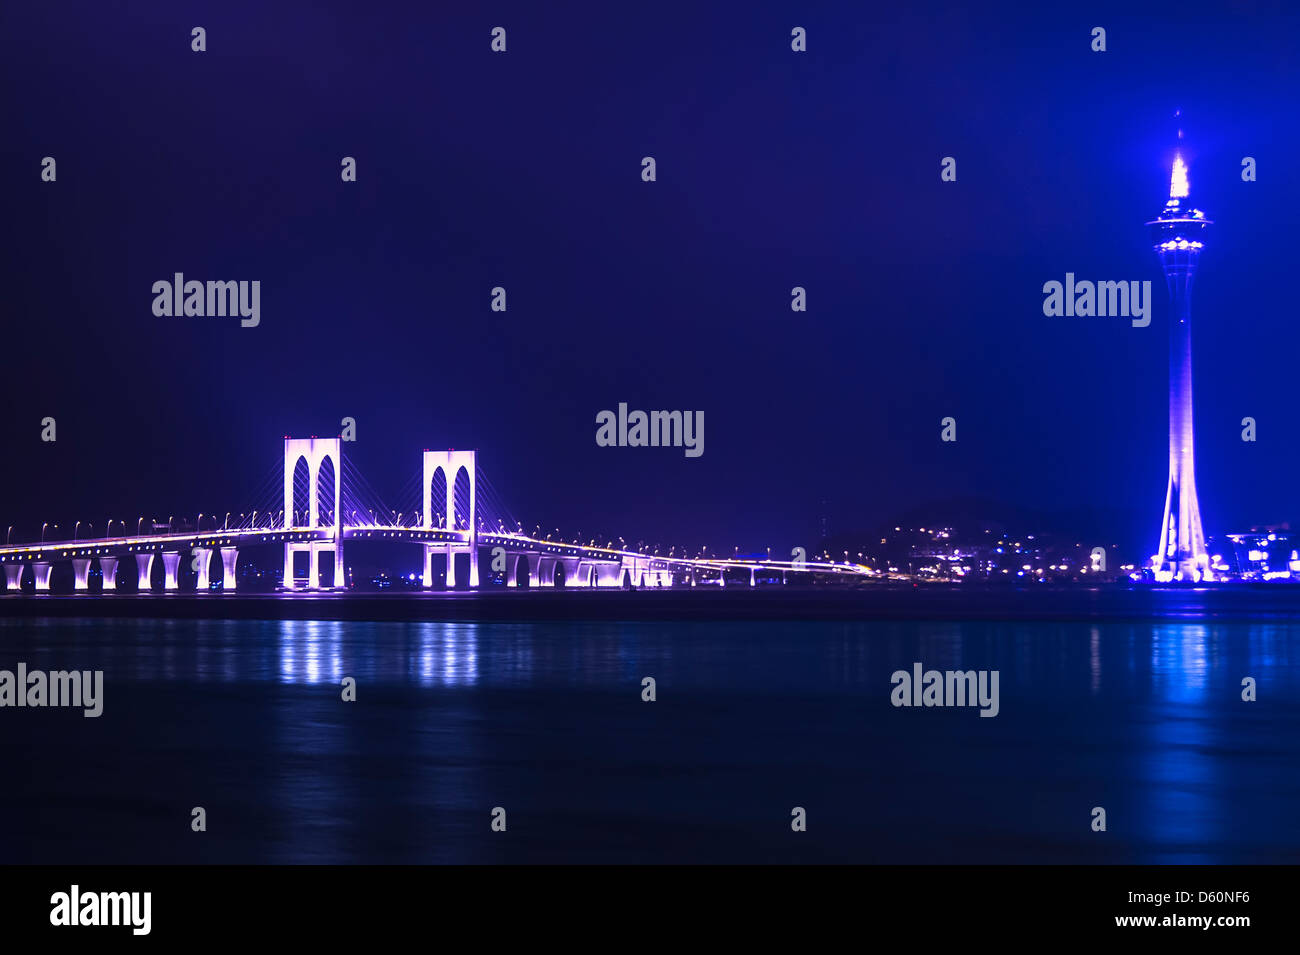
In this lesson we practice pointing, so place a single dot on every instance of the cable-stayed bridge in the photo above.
(327, 504)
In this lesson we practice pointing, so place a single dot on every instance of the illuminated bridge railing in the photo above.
(82, 551)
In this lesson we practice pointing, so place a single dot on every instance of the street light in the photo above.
(137, 525)
(43, 526)
(76, 527)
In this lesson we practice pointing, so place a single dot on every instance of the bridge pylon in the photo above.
(315, 452)
(450, 463)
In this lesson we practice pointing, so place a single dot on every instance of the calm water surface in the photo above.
(546, 720)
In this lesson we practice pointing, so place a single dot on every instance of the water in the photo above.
(244, 718)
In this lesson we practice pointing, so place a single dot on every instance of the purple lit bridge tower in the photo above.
(1178, 234)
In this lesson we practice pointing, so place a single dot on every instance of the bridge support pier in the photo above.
(144, 564)
(108, 567)
(449, 578)
(452, 551)
(42, 570)
(325, 547)
(314, 549)
(204, 557)
(81, 573)
(229, 555)
(584, 574)
(530, 564)
(609, 575)
(572, 572)
(171, 561)
(13, 576)
(545, 572)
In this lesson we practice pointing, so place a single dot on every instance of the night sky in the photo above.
(523, 170)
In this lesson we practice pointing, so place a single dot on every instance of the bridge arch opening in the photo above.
(626, 582)
(438, 498)
(558, 577)
(326, 481)
(460, 500)
(301, 493)
(521, 571)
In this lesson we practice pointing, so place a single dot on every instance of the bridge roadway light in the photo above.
(43, 526)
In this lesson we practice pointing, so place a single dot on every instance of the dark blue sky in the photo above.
(775, 169)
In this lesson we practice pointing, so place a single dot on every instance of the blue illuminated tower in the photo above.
(1178, 234)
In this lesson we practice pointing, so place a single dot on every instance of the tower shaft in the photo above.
(1183, 554)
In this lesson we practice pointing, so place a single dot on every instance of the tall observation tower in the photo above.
(1178, 234)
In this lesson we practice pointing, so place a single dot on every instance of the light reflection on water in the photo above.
(425, 654)
(1145, 719)
(1181, 804)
